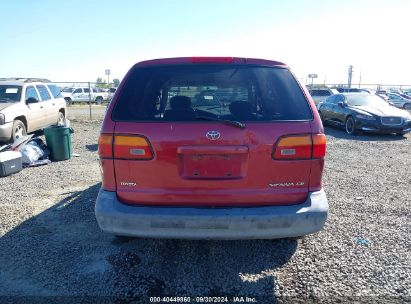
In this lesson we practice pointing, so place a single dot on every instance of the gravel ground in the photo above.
(51, 245)
(82, 113)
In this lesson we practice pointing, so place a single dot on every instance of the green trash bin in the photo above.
(58, 139)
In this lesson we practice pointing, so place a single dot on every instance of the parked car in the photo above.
(83, 94)
(348, 90)
(27, 105)
(366, 91)
(407, 92)
(111, 92)
(66, 93)
(383, 94)
(244, 162)
(364, 112)
(403, 95)
(395, 90)
(399, 101)
(320, 94)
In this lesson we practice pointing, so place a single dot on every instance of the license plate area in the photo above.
(213, 162)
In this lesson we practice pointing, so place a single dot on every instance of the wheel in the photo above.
(68, 101)
(19, 130)
(99, 100)
(350, 126)
(60, 119)
(407, 106)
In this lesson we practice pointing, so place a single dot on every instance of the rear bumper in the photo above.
(211, 223)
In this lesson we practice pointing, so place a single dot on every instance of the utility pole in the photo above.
(350, 70)
(359, 83)
(108, 72)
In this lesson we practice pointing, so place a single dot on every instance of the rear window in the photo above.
(348, 90)
(187, 93)
(320, 93)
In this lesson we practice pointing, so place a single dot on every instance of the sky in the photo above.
(78, 40)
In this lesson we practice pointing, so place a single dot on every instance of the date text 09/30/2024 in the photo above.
(220, 299)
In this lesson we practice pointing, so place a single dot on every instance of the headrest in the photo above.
(180, 102)
(241, 108)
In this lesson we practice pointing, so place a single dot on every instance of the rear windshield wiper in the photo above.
(234, 123)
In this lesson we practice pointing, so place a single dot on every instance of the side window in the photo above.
(31, 93)
(330, 99)
(86, 90)
(44, 94)
(95, 90)
(77, 91)
(55, 91)
(339, 98)
(320, 93)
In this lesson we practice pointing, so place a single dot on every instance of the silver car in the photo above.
(321, 94)
(27, 105)
(399, 101)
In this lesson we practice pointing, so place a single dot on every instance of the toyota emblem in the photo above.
(213, 135)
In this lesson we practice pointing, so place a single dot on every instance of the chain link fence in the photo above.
(86, 100)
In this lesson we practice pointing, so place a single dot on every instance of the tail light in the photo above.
(300, 147)
(124, 147)
(319, 145)
(120, 147)
(132, 147)
(105, 148)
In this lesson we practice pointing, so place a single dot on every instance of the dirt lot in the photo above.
(51, 245)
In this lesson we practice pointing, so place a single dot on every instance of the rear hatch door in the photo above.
(211, 163)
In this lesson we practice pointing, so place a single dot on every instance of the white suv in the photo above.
(321, 94)
(27, 105)
(83, 94)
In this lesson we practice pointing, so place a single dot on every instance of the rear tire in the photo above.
(99, 100)
(350, 126)
(19, 130)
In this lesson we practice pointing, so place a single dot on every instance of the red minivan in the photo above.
(211, 148)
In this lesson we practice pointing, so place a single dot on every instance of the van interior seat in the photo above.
(180, 109)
